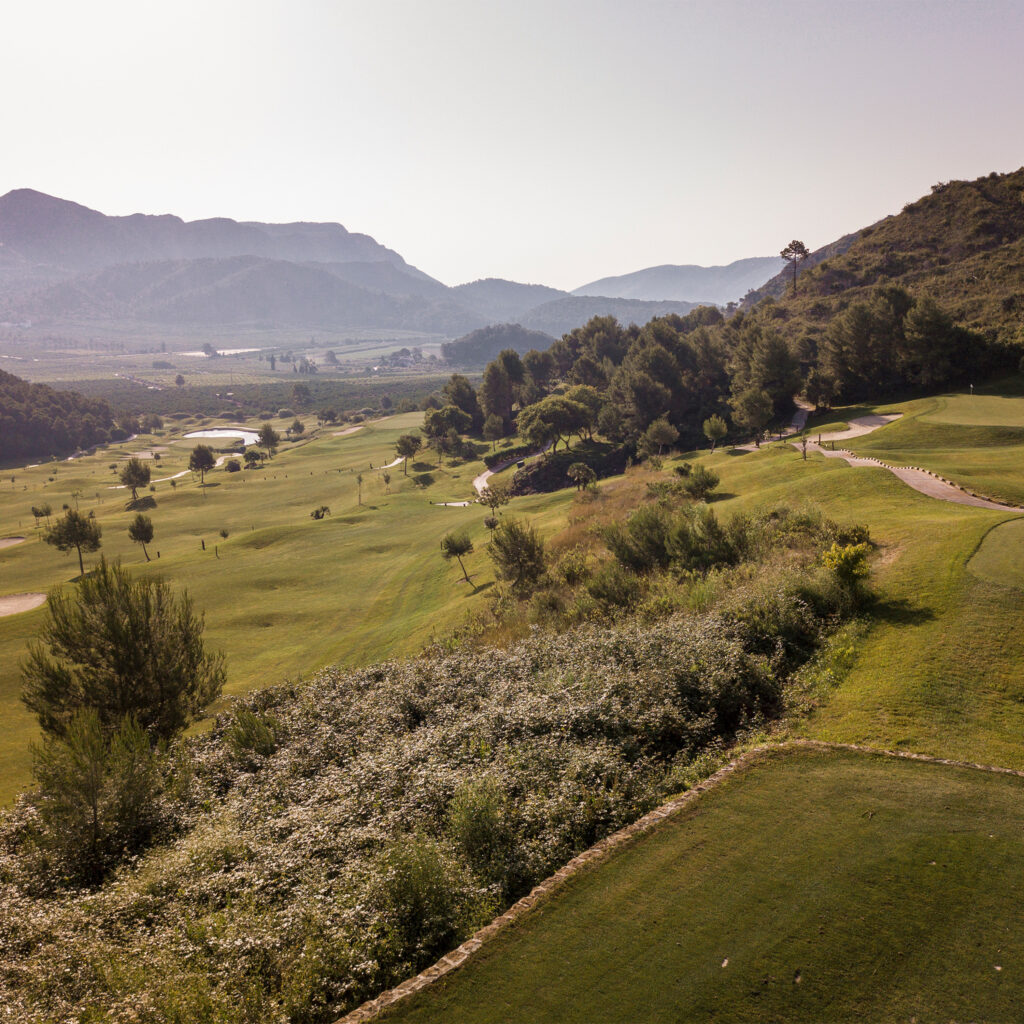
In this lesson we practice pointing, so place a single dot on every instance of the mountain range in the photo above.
(708, 285)
(62, 262)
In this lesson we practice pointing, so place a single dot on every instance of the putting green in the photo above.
(1000, 556)
(977, 410)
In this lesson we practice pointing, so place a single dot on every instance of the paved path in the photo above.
(481, 481)
(923, 480)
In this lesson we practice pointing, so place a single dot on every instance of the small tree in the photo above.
(518, 555)
(658, 435)
(96, 793)
(386, 477)
(120, 646)
(179, 381)
(494, 429)
(268, 439)
(135, 474)
(753, 409)
(201, 461)
(298, 428)
(74, 530)
(581, 475)
(359, 487)
(456, 545)
(141, 532)
(495, 495)
(406, 447)
(715, 428)
(795, 253)
(252, 456)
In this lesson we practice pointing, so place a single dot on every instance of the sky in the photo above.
(552, 142)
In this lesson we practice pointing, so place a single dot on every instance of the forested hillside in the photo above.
(37, 421)
(963, 244)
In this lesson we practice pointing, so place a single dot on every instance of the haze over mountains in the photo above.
(61, 262)
(715, 285)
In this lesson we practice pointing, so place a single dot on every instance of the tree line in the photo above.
(37, 421)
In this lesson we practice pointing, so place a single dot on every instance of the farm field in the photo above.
(283, 594)
(811, 886)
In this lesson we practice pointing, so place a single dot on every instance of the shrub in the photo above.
(700, 482)
(614, 586)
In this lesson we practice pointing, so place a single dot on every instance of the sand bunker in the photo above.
(345, 433)
(9, 542)
(11, 604)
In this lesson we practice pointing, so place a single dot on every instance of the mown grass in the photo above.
(283, 594)
(814, 886)
(975, 440)
(1000, 557)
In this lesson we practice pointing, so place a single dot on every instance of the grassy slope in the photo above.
(938, 671)
(819, 863)
(882, 886)
(287, 594)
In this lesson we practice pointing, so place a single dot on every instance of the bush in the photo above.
(518, 555)
(700, 482)
(614, 586)
(251, 734)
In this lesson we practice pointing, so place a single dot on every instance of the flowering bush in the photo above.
(333, 837)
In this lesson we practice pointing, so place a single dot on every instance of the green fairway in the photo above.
(283, 594)
(814, 886)
(977, 441)
(938, 670)
(1000, 558)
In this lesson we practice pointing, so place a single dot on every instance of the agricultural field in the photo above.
(283, 594)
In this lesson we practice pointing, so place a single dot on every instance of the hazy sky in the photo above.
(554, 142)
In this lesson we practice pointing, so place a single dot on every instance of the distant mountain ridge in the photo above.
(61, 262)
(689, 283)
(57, 232)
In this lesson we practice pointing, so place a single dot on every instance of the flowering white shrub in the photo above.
(338, 835)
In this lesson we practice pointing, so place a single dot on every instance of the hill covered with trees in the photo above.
(963, 245)
(37, 421)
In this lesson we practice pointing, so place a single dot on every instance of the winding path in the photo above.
(923, 480)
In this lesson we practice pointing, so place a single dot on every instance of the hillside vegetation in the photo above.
(37, 421)
(963, 245)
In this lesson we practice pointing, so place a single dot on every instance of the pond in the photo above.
(247, 436)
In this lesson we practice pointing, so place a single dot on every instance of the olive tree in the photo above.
(121, 646)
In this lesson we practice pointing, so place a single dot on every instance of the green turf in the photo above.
(283, 594)
(984, 455)
(1000, 557)
(814, 887)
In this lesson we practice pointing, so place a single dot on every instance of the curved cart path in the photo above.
(922, 480)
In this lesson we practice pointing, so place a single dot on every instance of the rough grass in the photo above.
(283, 594)
(815, 886)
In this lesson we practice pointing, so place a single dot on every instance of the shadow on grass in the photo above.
(900, 612)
